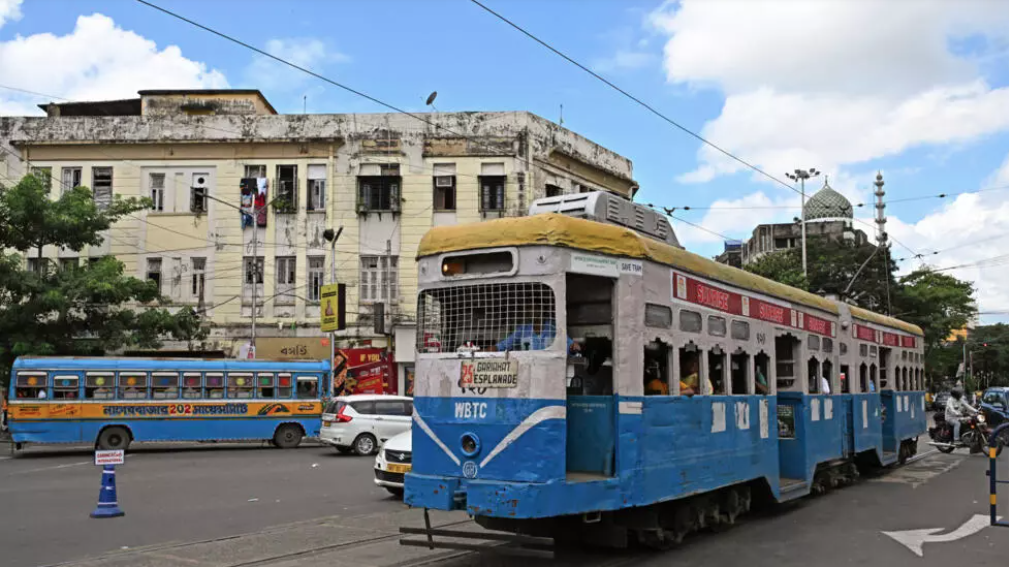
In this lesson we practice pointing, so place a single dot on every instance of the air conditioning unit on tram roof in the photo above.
(608, 208)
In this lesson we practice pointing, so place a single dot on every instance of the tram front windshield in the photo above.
(487, 317)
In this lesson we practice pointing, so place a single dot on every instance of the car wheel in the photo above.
(397, 492)
(287, 436)
(365, 444)
(113, 438)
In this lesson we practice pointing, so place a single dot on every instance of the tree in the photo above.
(936, 302)
(784, 267)
(91, 309)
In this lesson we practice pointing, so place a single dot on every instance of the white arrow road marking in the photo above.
(915, 539)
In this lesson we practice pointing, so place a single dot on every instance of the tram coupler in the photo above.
(492, 542)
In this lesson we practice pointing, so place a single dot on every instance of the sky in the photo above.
(918, 91)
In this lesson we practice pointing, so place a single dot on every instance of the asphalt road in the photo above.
(172, 494)
(192, 508)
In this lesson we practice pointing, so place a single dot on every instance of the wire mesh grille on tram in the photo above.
(506, 316)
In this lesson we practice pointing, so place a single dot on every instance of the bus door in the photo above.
(65, 407)
(591, 403)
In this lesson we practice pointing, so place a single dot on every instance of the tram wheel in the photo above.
(113, 438)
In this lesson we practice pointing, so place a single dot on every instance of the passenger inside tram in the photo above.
(716, 371)
(689, 377)
(760, 366)
(656, 369)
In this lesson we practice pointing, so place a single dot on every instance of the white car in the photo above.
(393, 462)
(361, 423)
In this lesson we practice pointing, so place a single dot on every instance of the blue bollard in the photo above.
(108, 503)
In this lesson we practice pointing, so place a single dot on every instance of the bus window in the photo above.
(99, 386)
(716, 371)
(760, 366)
(240, 385)
(191, 383)
(165, 386)
(656, 369)
(30, 385)
(132, 385)
(690, 363)
(215, 385)
(265, 383)
(66, 387)
(308, 387)
(813, 376)
(739, 369)
(284, 385)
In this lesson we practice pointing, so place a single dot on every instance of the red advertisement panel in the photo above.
(891, 339)
(864, 333)
(908, 342)
(363, 371)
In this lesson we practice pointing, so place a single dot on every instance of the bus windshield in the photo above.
(487, 317)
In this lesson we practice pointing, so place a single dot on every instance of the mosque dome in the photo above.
(828, 204)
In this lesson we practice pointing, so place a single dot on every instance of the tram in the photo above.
(581, 376)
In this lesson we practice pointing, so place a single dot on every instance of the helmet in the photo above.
(957, 393)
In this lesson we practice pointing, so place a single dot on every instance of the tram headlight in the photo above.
(470, 444)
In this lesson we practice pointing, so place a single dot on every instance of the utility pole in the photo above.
(332, 237)
(801, 175)
(388, 280)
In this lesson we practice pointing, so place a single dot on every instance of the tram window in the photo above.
(30, 385)
(813, 342)
(165, 386)
(827, 345)
(690, 364)
(660, 316)
(863, 379)
(903, 355)
(845, 379)
(99, 386)
(132, 386)
(872, 352)
(66, 387)
(760, 367)
(813, 376)
(907, 384)
(308, 387)
(843, 349)
(656, 369)
(784, 360)
(739, 369)
(690, 321)
(716, 371)
(716, 326)
(740, 330)
(265, 384)
(828, 376)
(882, 376)
(191, 382)
(284, 385)
(863, 350)
(215, 385)
(873, 378)
(240, 385)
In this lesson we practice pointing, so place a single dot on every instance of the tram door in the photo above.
(591, 427)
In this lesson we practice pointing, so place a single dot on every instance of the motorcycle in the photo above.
(974, 434)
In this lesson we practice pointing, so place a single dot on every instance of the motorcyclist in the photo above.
(956, 411)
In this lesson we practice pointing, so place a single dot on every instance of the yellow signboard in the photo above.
(332, 309)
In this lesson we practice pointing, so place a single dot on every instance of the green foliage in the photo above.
(987, 349)
(784, 267)
(936, 302)
(93, 309)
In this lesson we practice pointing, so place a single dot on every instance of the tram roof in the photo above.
(550, 229)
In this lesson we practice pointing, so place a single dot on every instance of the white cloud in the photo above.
(623, 60)
(833, 82)
(97, 60)
(10, 10)
(309, 53)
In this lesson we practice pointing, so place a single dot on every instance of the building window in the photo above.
(256, 171)
(286, 268)
(38, 267)
(253, 270)
(377, 280)
(44, 175)
(199, 278)
(492, 187)
(316, 274)
(317, 187)
(287, 189)
(101, 185)
(157, 185)
(154, 271)
(71, 179)
(780, 243)
(554, 191)
(69, 264)
(198, 193)
(444, 186)
(378, 192)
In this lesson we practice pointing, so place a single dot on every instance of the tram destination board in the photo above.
(489, 374)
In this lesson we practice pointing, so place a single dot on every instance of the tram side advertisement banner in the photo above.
(363, 371)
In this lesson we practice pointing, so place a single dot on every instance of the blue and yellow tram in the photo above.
(579, 373)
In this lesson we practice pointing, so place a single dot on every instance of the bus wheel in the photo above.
(288, 436)
(114, 438)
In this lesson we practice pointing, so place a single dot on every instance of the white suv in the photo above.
(362, 423)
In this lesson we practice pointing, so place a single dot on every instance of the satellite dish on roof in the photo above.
(431, 97)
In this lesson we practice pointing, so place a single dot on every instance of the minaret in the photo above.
(880, 216)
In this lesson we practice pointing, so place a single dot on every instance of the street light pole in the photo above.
(332, 237)
(801, 175)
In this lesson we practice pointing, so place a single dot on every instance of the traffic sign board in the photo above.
(110, 457)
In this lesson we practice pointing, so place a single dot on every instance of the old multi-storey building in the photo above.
(384, 178)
